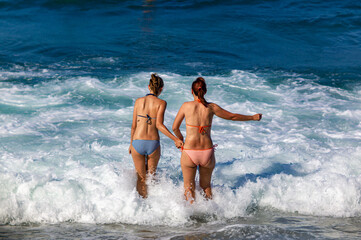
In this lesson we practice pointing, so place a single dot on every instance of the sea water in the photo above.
(70, 72)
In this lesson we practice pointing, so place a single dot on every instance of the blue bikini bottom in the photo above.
(145, 147)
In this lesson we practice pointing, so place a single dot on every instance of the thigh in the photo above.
(153, 160)
(205, 172)
(189, 169)
(139, 163)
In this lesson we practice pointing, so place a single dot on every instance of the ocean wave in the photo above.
(66, 159)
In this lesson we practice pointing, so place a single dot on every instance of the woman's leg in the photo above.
(139, 163)
(205, 176)
(189, 170)
(153, 160)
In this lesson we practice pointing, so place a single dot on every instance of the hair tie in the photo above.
(199, 88)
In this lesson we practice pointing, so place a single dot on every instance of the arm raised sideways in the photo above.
(222, 113)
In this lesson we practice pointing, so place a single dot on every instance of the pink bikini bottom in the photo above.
(200, 156)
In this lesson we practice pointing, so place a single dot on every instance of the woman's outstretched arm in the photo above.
(222, 113)
(161, 127)
(177, 122)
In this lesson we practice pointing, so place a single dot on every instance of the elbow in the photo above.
(160, 126)
(175, 127)
(233, 117)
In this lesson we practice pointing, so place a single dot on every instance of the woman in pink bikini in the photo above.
(198, 149)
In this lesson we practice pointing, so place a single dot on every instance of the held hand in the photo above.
(178, 143)
(257, 117)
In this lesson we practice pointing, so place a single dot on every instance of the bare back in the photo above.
(146, 128)
(198, 124)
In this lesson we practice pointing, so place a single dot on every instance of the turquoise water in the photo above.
(70, 72)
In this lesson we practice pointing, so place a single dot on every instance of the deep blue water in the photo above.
(71, 70)
(184, 37)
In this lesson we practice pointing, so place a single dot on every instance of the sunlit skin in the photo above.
(195, 113)
(140, 129)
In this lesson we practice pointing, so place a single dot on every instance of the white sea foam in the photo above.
(21, 72)
(67, 159)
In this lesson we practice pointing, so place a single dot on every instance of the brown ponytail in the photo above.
(155, 83)
(199, 88)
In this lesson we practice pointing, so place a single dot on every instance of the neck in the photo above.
(151, 94)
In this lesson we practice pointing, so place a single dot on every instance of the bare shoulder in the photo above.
(162, 102)
(139, 99)
(187, 105)
(213, 106)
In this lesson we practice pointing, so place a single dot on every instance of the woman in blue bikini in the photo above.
(148, 116)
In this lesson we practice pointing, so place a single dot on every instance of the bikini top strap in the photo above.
(200, 128)
(146, 116)
(149, 119)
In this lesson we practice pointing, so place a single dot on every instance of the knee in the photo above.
(189, 190)
(207, 191)
(141, 178)
(205, 186)
(189, 193)
(189, 186)
(152, 170)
